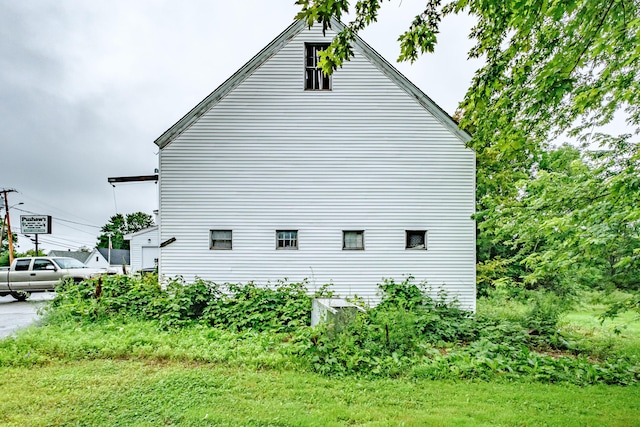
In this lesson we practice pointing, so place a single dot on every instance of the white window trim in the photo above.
(285, 239)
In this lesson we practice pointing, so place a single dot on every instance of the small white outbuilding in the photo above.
(144, 249)
(284, 173)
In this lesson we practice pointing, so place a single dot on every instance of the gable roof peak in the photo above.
(273, 47)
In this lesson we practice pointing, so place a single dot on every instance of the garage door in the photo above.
(150, 256)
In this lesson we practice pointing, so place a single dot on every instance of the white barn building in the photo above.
(282, 173)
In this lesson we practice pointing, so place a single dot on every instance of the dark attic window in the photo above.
(416, 239)
(314, 78)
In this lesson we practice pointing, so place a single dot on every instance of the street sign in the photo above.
(35, 224)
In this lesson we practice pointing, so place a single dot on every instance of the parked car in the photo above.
(41, 274)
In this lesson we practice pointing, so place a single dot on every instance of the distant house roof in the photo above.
(79, 255)
(118, 256)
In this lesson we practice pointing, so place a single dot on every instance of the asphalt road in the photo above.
(15, 315)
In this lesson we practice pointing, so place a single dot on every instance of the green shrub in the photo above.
(282, 306)
(90, 300)
(187, 303)
(389, 336)
(542, 318)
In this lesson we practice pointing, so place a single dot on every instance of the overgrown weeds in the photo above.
(430, 337)
(414, 331)
(279, 307)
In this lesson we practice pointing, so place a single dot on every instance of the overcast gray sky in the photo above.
(87, 86)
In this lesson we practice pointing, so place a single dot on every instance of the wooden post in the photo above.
(2, 230)
(9, 235)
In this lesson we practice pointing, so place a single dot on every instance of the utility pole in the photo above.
(5, 193)
(34, 240)
(2, 230)
(109, 257)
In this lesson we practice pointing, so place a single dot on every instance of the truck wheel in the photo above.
(20, 296)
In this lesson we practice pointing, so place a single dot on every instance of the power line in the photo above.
(60, 219)
(71, 242)
(77, 229)
(56, 238)
(55, 208)
(115, 204)
(63, 242)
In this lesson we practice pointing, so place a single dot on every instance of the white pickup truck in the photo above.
(41, 274)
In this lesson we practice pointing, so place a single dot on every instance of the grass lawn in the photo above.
(584, 325)
(139, 393)
(84, 367)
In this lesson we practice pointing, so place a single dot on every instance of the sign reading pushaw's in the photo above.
(35, 224)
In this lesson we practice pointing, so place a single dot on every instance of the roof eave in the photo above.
(229, 84)
(129, 236)
(392, 72)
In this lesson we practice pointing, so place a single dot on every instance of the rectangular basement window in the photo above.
(353, 240)
(220, 240)
(286, 239)
(314, 78)
(416, 239)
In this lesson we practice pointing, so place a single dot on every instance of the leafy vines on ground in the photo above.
(414, 330)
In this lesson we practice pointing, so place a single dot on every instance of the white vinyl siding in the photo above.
(364, 156)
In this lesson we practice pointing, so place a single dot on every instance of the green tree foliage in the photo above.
(119, 225)
(549, 65)
(575, 223)
(554, 219)
(30, 253)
